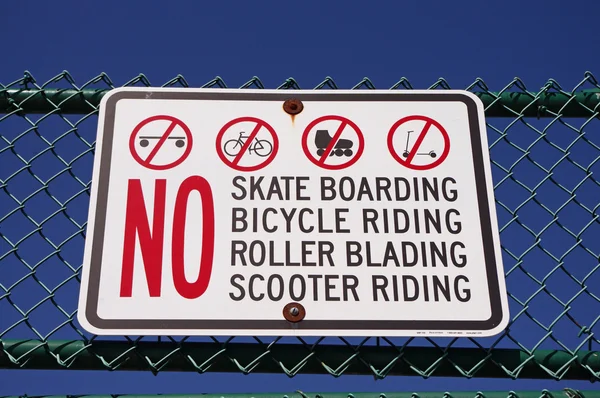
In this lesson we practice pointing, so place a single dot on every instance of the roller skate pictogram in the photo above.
(342, 146)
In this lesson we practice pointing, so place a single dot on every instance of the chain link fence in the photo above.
(566, 393)
(545, 150)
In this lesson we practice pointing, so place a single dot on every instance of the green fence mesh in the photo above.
(545, 150)
(566, 393)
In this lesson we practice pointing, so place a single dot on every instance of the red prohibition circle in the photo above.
(148, 161)
(234, 164)
(428, 123)
(321, 162)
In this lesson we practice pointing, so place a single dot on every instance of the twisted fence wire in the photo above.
(567, 392)
(545, 166)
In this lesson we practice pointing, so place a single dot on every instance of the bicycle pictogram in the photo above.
(237, 148)
(261, 148)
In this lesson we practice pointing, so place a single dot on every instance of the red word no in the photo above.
(151, 240)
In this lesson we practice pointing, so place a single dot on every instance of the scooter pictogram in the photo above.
(407, 152)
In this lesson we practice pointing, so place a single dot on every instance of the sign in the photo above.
(321, 148)
(147, 142)
(234, 145)
(426, 150)
(217, 212)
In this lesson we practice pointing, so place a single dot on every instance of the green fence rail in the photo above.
(566, 393)
(545, 151)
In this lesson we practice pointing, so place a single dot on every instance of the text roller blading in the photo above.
(397, 253)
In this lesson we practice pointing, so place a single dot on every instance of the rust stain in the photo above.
(293, 107)
(294, 312)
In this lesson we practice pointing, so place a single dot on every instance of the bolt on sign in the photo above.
(265, 212)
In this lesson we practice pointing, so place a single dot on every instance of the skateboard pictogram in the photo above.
(333, 151)
(418, 142)
(150, 139)
(245, 151)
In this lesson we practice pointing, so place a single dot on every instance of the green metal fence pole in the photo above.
(506, 104)
(42, 355)
(300, 394)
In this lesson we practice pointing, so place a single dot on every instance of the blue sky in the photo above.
(308, 40)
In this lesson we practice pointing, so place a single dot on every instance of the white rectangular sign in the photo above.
(269, 212)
